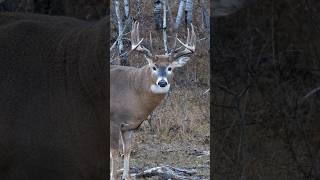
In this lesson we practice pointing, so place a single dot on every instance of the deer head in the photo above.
(161, 66)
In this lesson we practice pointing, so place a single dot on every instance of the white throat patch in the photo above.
(159, 90)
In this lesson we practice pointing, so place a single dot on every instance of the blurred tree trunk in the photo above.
(30, 6)
(157, 13)
(227, 7)
(204, 16)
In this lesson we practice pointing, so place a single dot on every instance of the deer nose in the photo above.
(162, 83)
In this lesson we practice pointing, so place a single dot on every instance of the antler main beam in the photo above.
(136, 41)
(190, 45)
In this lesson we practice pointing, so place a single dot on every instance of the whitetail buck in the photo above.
(136, 92)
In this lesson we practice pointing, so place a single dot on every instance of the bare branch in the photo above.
(310, 94)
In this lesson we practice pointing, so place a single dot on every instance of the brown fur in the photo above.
(131, 100)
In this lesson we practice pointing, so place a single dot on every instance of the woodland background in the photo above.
(265, 91)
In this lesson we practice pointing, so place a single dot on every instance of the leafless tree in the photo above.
(180, 13)
(164, 28)
(138, 5)
(126, 9)
(189, 11)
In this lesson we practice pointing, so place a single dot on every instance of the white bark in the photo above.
(189, 11)
(180, 13)
(164, 28)
(117, 8)
(123, 56)
(126, 9)
(138, 4)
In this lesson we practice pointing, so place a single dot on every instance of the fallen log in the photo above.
(166, 172)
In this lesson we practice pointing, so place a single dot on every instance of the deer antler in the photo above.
(190, 45)
(136, 41)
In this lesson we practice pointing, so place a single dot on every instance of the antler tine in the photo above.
(188, 36)
(136, 41)
(173, 49)
(190, 45)
(194, 39)
(191, 41)
(151, 45)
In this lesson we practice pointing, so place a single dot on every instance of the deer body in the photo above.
(136, 92)
(131, 101)
(131, 96)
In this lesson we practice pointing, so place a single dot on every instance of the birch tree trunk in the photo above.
(123, 56)
(157, 13)
(164, 28)
(180, 13)
(189, 11)
(119, 20)
(138, 4)
(126, 9)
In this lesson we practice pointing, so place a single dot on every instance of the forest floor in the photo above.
(172, 143)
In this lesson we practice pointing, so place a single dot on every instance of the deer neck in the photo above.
(142, 83)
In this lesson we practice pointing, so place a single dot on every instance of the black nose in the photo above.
(162, 83)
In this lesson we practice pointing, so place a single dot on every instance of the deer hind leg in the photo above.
(126, 137)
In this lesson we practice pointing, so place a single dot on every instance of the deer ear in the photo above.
(148, 59)
(180, 61)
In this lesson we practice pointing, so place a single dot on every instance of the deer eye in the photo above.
(169, 68)
(154, 68)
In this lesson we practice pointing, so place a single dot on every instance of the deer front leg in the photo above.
(114, 172)
(114, 151)
(112, 165)
(126, 137)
